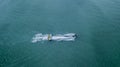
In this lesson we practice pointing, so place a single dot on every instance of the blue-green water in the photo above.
(97, 24)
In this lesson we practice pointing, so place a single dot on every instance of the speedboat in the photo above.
(57, 37)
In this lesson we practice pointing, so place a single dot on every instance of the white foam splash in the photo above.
(57, 37)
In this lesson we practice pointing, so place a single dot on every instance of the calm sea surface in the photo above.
(96, 22)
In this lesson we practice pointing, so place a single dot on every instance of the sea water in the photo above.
(96, 22)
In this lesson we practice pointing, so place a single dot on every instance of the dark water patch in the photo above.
(106, 44)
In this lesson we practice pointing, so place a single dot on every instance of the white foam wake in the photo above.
(50, 37)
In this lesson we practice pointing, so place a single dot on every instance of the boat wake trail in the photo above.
(50, 37)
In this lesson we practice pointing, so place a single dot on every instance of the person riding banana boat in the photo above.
(50, 37)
